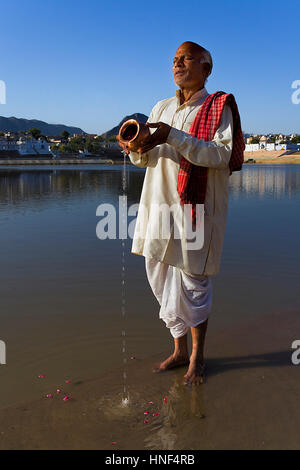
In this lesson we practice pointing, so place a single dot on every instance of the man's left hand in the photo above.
(157, 138)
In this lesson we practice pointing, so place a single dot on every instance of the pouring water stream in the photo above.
(125, 398)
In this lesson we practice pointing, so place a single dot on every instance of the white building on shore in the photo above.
(271, 146)
(271, 142)
(26, 146)
(32, 146)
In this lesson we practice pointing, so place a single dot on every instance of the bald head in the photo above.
(200, 51)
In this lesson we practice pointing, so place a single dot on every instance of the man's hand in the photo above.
(157, 138)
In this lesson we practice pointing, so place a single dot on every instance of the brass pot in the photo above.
(132, 133)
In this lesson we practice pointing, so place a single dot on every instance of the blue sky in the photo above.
(89, 63)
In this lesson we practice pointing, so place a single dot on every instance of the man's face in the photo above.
(188, 72)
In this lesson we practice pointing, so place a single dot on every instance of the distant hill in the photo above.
(138, 116)
(13, 124)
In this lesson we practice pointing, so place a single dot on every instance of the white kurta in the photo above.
(160, 185)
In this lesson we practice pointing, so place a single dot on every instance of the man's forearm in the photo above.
(198, 151)
(214, 154)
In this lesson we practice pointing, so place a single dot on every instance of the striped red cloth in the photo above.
(192, 179)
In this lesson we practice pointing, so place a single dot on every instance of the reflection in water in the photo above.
(184, 405)
(275, 181)
(28, 185)
(25, 184)
(162, 425)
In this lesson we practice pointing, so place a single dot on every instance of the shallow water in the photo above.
(60, 290)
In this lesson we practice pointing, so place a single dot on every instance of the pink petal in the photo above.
(155, 414)
(145, 421)
(150, 403)
(58, 390)
(42, 376)
(66, 398)
(113, 443)
(165, 399)
(146, 412)
(49, 395)
(68, 381)
(132, 357)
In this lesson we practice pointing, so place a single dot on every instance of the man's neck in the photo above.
(186, 94)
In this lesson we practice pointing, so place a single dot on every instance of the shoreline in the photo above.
(68, 161)
(12, 163)
(259, 157)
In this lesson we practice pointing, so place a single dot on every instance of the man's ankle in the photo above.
(197, 355)
(180, 353)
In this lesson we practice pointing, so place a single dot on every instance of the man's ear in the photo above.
(206, 67)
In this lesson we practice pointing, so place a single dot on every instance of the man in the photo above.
(181, 278)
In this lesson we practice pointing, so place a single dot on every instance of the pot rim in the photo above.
(125, 125)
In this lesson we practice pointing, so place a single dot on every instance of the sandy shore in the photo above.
(249, 400)
(271, 158)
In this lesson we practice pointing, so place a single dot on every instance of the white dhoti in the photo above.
(185, 299)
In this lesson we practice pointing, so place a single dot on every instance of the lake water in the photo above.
(60, 286)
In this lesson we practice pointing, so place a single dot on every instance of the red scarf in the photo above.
(192, 179)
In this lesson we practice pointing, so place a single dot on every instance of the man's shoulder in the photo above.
(166, 101)
(161, 105)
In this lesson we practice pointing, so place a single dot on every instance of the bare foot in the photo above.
(171, 362)
(195, 373)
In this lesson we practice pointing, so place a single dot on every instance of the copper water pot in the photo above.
(132, 133)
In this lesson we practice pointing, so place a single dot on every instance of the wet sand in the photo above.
(249, 399)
